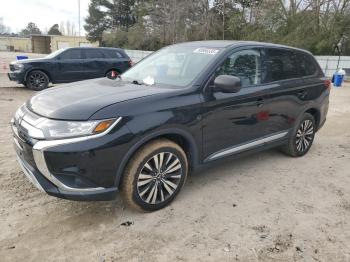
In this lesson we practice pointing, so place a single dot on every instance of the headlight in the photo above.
(54, 129)
(18, 66)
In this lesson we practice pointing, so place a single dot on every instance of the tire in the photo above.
(303, 134)
(144, 187)
(109, 74)
(37, 80)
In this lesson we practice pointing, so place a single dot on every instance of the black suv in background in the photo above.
(69, 65)
(184, 106)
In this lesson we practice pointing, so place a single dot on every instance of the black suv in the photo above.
(184, 106)
(69, 65)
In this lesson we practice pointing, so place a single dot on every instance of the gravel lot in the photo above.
(259, 208)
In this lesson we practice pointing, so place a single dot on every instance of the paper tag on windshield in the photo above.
(148, 80)
(207, 51)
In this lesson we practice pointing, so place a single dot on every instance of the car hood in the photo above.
(30, 60)
(80, 100)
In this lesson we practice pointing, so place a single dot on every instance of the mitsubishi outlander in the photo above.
(185, 106)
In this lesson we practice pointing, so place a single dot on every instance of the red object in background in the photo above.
(263, 115)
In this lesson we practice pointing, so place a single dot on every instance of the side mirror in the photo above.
(228, 83)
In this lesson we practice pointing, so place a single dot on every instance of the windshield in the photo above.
(53, 54)
(174, 65)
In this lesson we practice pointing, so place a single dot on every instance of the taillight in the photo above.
(130, 63)
(327, 83)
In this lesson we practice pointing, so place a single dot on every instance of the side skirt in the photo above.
(247, 146)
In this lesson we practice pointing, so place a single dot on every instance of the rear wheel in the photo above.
(154, 175)
(37, 80)
(302, 138)
(112, 74)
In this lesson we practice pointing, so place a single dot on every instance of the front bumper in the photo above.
(43, 184)
(17, 76)
(82, 168)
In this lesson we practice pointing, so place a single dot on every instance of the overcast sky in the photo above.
(17, 13)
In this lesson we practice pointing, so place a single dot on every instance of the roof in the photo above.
(94, 47)
(231, 43)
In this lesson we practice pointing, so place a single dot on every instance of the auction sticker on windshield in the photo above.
(207, 51)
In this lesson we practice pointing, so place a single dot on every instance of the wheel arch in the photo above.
(316, 114)
(114, 68)
(37, 69)
(178, 136)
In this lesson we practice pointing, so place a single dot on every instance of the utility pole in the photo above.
(223, 19)
(79, 17)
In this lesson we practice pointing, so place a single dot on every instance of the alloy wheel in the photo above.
(304, 135)
(159, 178)
(37, 80)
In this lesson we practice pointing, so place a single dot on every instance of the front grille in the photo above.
(12, 68)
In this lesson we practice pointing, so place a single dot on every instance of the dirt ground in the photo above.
(264, 207)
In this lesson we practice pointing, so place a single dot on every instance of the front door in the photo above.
(69, 66)
(235, 122)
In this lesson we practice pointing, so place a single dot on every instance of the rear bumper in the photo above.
(323, 110)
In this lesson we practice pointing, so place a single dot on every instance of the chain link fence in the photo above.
(329, 64)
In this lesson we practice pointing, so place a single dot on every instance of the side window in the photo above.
(306, 64)
(112, 54)
(280, 65)
(71, 54)
(93, 54)
(245, 64)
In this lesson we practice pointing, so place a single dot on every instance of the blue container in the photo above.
(338, 80)
(22, 57)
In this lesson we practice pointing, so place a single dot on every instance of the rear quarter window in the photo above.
(280, 65)
(307, 65)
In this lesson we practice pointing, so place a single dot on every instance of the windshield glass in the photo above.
(53, 54)
(174, 65)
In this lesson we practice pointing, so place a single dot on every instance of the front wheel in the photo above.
(302, 137)
(37, 80)
(154, 175)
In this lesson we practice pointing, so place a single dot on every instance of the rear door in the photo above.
(69, 66)
(94, 64)
(311, 74)
(287, 90)
(117, 60)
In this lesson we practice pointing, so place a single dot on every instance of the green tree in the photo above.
(31, 29)
(54, 30)
(109, 15)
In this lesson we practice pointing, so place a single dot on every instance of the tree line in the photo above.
(65, 28)
(321, 26)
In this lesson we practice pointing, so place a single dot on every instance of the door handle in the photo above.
(302, 94)
(260, 102)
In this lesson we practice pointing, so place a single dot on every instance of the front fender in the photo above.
(140, 141)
